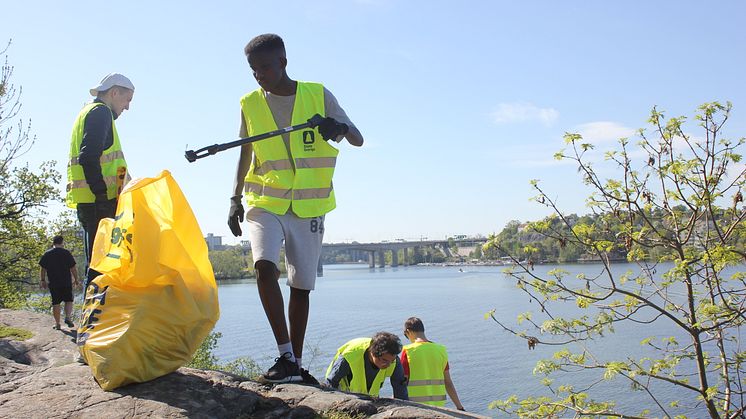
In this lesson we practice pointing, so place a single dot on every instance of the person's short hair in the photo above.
(57, 239)
(265, 42)
(414, 324)
(385, 343)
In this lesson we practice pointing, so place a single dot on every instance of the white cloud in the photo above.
(523, 112)
(603, 131)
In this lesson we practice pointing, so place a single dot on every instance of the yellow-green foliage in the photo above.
(679, 214)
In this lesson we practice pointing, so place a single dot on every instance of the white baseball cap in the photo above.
(111, 80)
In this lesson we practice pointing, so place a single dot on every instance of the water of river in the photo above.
(487, 363)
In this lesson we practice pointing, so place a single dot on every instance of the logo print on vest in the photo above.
(308, 139)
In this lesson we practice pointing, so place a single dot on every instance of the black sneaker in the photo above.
(69, 323)
(308, 378)
(56, 327)
(284, 371)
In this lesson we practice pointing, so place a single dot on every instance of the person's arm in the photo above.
(73, 271)
(236, 210)
(95, 133)
(451, 390)
(354, 137)
(244, 161)
(399, 382)
(340, 370)
(42, 277)
(333, 110)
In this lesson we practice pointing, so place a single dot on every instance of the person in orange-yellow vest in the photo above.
(287, 182)
(425, 364)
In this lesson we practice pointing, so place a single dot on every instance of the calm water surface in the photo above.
(487, 363)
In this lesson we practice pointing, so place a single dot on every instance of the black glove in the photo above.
(329, 128)
(235, 215)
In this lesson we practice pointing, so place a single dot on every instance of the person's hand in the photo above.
(330, 129)
(43, 284)
(235, 215)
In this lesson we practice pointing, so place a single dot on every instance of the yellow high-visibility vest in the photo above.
(113, 165)
(427, 361)
(300, 180)
(354, 352)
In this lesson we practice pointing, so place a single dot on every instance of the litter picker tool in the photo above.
(192, 155)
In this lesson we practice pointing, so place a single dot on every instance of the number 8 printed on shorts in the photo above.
(317, 225)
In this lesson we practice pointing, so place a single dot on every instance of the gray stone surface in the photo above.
(41, 378)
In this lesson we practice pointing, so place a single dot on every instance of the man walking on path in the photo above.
(361, 366)
(58, 264)
(288, 185)
(96, 169)
(425, 364)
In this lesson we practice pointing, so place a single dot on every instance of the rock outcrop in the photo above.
(40, 377)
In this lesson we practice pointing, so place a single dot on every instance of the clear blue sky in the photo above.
(460, 103)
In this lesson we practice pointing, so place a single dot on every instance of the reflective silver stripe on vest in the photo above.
(427, 398)
(311, 193)
(270, 165)
(258, 189)
(75, 184)
(426, 383)
(105, 158)
(316, 162)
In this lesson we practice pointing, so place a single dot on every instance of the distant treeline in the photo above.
(550, 246)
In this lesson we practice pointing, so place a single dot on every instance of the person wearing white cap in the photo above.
(96, 169)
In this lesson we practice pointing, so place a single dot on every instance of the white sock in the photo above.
(299, 362)
(286, 348)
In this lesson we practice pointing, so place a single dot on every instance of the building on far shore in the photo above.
(214, 242)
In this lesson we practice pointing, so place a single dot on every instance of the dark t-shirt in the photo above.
(58, 261)
(97, 137)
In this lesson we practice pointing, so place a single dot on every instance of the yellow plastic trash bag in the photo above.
(156, 299)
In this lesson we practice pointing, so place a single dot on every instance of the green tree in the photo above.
(229, 263)
(24, 194)
(681, 203)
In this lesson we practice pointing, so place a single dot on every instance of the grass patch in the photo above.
(14, 333)
(338, 414)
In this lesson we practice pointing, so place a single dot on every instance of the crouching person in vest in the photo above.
(361, 366)
(425, 365)
(96, 169)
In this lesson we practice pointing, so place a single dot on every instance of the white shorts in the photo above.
(302, 236)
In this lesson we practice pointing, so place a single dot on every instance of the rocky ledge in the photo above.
(41, 378)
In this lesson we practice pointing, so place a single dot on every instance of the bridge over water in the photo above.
(378, 250)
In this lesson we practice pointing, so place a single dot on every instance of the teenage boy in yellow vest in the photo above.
(96, 169)
(287, 182)
(425, 365)
(361, 366)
